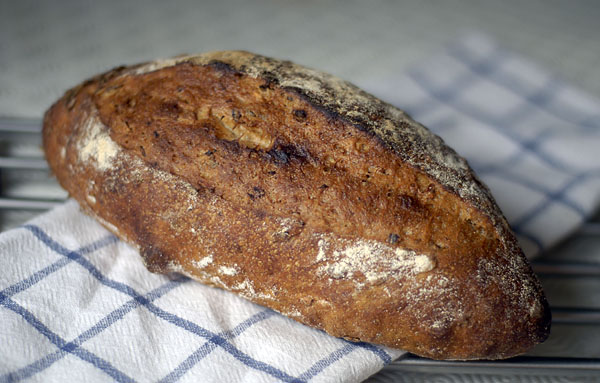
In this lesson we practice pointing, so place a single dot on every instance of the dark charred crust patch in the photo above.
(231, 147)
(154, 259)
(407, 202)
(315, 102)
(296, 152)
(257, 192)
(236, 115)
(334, 115)
(299, 115)
(270, 79)
(267, 85)
(221, 66)
(170, 109)
(278, 156)
(284, 154)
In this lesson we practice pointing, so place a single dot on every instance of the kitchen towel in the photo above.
(76, 304)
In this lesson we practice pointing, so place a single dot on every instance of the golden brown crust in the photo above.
(300, 192)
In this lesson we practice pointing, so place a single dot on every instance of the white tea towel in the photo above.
(76, 304)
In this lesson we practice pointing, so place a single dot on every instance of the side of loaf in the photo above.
(300, 192)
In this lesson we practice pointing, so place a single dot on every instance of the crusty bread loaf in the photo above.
(300, 192)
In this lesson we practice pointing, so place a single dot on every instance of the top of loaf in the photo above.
(396, 130)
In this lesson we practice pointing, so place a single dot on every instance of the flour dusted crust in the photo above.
(300, 192)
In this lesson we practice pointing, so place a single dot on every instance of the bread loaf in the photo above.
(302, 193)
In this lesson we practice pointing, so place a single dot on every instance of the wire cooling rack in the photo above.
(570, 274)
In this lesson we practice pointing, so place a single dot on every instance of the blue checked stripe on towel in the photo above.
(77, 304)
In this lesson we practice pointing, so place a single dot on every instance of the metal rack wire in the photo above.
(570, 275)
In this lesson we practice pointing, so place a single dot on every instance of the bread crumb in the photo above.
(286, 225)
(322, 248)
(203, 262)
(225, 270)
(245, 288)
(423, 263)
(218, 282)
(292, 313)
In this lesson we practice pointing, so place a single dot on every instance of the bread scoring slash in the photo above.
(302, 193)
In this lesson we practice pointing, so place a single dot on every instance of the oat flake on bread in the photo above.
(302, 193)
